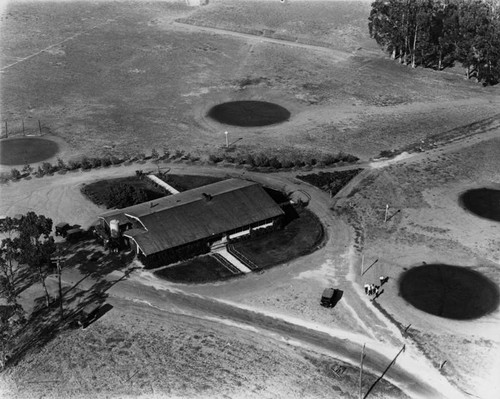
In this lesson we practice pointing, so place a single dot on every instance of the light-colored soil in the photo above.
(124, 76)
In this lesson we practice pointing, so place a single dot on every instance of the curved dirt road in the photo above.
(57, 197)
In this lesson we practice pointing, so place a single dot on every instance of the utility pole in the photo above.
(58, 260)
(361, 372)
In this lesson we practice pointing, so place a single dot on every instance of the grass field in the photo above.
(120, 78)
(340, 25)
(202, 269)
(299, 237)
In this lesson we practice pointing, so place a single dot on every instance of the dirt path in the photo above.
(336, 55)
(247, 302)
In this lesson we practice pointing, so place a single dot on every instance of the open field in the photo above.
(122, 78)
(131, 80)
(433, 227)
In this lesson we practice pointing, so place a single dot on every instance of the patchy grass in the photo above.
(331, 182)
(202, 269)
(334, 24)
(299, 237)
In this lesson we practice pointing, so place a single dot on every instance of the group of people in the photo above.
(372, 289)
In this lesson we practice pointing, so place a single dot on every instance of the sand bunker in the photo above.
(449, 291)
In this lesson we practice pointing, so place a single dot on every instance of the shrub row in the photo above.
(259, 160)
(279, 162)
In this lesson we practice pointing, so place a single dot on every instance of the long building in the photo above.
(190, 223)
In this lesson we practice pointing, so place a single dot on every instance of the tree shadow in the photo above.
(45, 323)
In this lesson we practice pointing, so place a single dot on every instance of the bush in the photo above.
(154, 154)
(47, 168)
(15, 174)
(275, 163)
(287, 164)
(261, 160)
(115, 160)
(60, 164)
(106, 161)
(95, 162)
(178, 154)
(214, 158)
(27, 169)
(85, 163)
(250, 160)
(72, 165)
(141, 156)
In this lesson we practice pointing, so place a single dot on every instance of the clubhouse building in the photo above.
(192, 222)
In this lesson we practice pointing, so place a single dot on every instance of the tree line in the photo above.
(439, 33)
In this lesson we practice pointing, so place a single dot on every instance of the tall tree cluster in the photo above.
(438, 33)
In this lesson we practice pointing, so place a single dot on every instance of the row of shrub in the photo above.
(257, 160)
(282, 162)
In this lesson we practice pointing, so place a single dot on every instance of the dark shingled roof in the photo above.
(197, 214)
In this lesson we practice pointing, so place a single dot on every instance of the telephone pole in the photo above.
(361, 372)
(58, 264)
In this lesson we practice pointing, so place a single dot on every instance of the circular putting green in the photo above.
(26, 150)
(452, 292)
(483, 202)
(249, 113)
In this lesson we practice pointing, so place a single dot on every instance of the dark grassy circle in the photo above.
(452, 292)
(483, 202)
(249, 113)
(22, 150)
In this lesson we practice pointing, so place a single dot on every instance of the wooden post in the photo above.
(361, 372)
(40, 127)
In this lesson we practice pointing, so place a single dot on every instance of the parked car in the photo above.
(330, 297)
(74, 234)
(62, 228)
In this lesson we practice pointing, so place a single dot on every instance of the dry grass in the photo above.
(136, 351)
